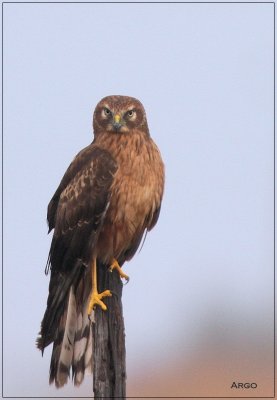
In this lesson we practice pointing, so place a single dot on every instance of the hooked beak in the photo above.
(117, 124)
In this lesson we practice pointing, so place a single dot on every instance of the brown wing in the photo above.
(82, 159)
(76, 211)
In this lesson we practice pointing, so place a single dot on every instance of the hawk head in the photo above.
(119, 115)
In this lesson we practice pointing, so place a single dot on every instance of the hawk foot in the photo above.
(116, 266)
(96, 299)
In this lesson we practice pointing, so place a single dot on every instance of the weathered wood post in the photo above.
(109, 370)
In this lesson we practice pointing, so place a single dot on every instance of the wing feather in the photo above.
(76, 211)
(77, 164)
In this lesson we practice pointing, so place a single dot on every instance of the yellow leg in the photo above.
(95, 297)
(116, 266)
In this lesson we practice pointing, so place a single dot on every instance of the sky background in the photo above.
(199, 306)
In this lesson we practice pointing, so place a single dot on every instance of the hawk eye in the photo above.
(130, 113)
(107, 111)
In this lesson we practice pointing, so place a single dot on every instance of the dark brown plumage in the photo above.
(109, 196)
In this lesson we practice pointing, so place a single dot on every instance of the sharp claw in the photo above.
(115, 265)
(96, 300)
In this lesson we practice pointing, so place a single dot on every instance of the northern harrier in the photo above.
(108, 198)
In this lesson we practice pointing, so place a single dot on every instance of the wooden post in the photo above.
(109, 369)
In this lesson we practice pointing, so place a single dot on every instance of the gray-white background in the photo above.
(199, 306)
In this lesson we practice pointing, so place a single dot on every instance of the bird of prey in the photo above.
(108, 198)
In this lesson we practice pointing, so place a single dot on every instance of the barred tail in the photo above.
(63, 347)
(72, 340)
(83, 346)
(73, 346)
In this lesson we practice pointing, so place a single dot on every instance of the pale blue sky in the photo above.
(204, 73)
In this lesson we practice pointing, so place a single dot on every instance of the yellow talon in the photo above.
(95, 297)
(115, 265)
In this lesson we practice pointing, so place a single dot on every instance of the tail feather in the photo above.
(64, 344)
(67, 326)
(89, 354)
(59, 288)
(72, 347)
(82, 357)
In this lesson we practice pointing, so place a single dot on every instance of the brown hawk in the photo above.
(108, 198)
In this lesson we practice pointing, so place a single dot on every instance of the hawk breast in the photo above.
(135, 200)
